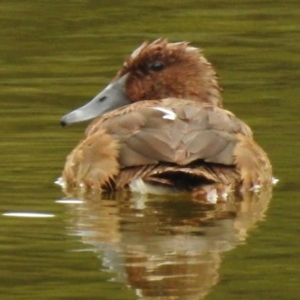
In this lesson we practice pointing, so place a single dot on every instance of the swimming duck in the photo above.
(160, 125)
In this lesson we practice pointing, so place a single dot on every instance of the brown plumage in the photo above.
(172, 133)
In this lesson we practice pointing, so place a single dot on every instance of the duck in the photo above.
(160, 125)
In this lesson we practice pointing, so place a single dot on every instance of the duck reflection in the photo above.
(166, 248)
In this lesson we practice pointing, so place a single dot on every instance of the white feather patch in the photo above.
(169, 114)
(142, 187)
(139, 186)
(212, 196)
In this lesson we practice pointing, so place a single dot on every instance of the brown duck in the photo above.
(160, 126)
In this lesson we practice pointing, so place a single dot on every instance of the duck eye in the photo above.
(157, 66)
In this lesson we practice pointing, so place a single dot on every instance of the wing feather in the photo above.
(198, 132)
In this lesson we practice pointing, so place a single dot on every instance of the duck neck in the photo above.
(206, 87)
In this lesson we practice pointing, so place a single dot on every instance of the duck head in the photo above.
(155, 71)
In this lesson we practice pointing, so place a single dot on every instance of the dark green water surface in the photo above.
(54, 56)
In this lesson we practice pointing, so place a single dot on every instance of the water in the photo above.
(55, 55)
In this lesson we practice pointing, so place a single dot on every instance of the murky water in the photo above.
(54, 56)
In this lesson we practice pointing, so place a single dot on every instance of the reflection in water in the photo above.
(166, 248)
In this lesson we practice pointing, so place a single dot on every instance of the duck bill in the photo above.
(112, 97)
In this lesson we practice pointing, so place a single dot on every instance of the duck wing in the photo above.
(172, 131)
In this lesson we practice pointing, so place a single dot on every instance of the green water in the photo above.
(56, 55)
